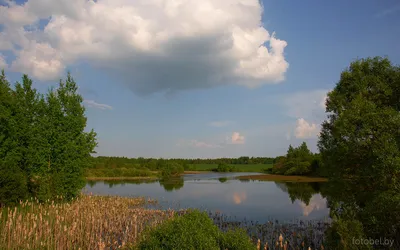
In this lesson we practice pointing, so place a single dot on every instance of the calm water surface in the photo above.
(219, 192)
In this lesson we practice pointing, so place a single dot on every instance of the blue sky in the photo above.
(204, 89)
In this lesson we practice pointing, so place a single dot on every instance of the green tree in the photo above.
(360, 142)
(70, 145)
(361, 138)
(42, 140)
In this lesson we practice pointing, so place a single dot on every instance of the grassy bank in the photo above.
(288, 178)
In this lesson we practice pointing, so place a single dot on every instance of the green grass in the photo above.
(238, 167)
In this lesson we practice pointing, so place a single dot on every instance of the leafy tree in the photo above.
(361, 138)
(359, 146)
(43, 146)
(298, 161)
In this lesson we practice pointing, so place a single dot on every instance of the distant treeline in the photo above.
(156, 164)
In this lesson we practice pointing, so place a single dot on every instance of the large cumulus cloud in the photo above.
(150, 45)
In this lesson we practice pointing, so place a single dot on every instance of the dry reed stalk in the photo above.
(89, 222)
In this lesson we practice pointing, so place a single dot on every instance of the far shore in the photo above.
(121, 178)
(260, 177)
(283, 178)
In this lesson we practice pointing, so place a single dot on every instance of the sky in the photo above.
(197, 79)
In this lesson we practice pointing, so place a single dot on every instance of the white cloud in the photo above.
(305, 130)
(151, 45)
(237, 138)
(40, 60)
(307, 105)
(309, 110)
(3, 63)
(93, 104)
(220, 124)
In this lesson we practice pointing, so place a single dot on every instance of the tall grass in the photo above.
(107, 222)
(89, 222)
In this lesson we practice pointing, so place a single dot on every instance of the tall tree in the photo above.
(13, 181)
(361, 138)
(70, 144)
(360, 149)
(44, 147)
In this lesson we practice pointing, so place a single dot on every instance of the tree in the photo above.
(361, 138)
(298, 161)
(70, 145)
(43, 146)
(13, 181)
(359, 146)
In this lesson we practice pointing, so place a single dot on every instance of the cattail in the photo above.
(258, 244)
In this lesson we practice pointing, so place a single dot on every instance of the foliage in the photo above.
(13, 186)
(362, 137)
(359, 145)
(171, 169)
(298, 161)
(224, 168)
(42, 138)
(157, 164)
(118, 172)
(193, 230)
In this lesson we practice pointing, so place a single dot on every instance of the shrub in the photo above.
(172, 169)
(193, 230)
(222, 167)
(236, 240)
(13, 185)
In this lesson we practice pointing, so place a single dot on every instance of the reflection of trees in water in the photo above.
(358, 209)
(112, 183)
(171, 184)
(91, 183)
(222, 179)
(302, 191)
(361, 210)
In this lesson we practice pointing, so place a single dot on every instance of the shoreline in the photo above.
(283, 178)
(121, 178)
(259, 177)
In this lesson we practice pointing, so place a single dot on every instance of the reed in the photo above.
(88, 222)
(112, 222)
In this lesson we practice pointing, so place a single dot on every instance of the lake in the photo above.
(259, 201)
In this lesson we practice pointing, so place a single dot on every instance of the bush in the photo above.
(193, 230)
(236, 240)
(224, 168)
(13, 186)
(172, 169)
